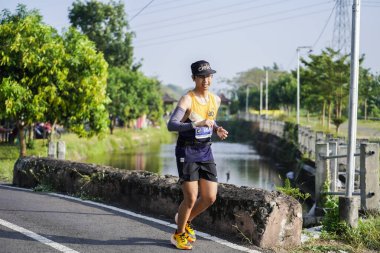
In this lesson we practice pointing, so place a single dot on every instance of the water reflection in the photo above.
(237, 164)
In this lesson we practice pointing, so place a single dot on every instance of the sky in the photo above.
(234, 36)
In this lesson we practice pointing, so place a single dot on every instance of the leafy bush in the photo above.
(366, 234)
(293, 192)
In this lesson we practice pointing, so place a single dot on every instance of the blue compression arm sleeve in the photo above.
(215, 127)
(175, 123)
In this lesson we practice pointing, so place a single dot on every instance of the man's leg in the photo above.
(190, 193)
(208, 191)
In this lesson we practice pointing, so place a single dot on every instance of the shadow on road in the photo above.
(76, 240)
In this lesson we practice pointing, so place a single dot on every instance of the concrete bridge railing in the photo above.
(267, 219)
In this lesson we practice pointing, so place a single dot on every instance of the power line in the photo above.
(231, 29)
(140, 11)
(155, 24)
(230, 23)
(175, 7)
(316, 41)
(155, 5)
(324, 28)
(196, 14)
(294, 57)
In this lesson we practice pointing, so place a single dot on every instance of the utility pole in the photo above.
(261, 98)
(348, 206)
(266, 94)
(246, 104)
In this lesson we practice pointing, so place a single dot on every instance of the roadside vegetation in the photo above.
(337, 236)
(78, 149)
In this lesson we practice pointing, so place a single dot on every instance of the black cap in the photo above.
(201, 68)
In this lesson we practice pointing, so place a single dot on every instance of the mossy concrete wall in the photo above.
(268, 219)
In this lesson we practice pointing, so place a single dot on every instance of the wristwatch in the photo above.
(193, 124)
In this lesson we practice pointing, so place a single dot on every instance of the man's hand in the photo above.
(222, 133)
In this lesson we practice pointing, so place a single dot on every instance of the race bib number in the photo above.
(203, 132)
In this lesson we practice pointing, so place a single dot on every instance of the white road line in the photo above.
(161, 222)
(37, 237)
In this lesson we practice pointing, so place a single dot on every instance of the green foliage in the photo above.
(369, 93)
(291, 132)
(82, 101)
(46, 77)
(7, 163)
(331, 222)
(252, 78)
(287, 189)
(367, 234)
(43, 187)
(31, 144)
(105, 24)
(133, 95)
(314, 247)
(325, 82)
(337, 122)
(79, 149)
(283, 92)
(31, 56)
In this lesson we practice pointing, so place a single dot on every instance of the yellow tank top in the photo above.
(199, 112)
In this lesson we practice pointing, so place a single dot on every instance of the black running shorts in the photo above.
(193, 171)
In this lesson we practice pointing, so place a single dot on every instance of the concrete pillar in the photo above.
(311, 144)
(369, 176)
(321, 172)
(333, 146)
(61, 150)
(348, 210)
(319, 136)
(329, 137)
(51, 149)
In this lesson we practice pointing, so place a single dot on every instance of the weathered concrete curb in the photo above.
(268, 219)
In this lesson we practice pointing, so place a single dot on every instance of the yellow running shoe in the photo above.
(190, 232)
(180, 241)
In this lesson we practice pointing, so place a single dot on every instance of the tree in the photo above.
(325, 82)
(252, 78)
(46, 77)
(133, 95)
(283, 92)
(368, 91)
(83, 97)
(106, 25)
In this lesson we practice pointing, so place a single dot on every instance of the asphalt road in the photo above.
(41, 222)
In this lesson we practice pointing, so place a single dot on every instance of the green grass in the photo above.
(80, 148)
(364, 238)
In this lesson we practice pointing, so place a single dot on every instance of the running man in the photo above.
(194, 120)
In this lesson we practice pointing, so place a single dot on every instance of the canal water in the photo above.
(236, 163)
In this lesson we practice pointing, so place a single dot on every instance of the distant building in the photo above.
(224, 109)
(169, 102)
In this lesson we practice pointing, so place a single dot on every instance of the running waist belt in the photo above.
(193, 143)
